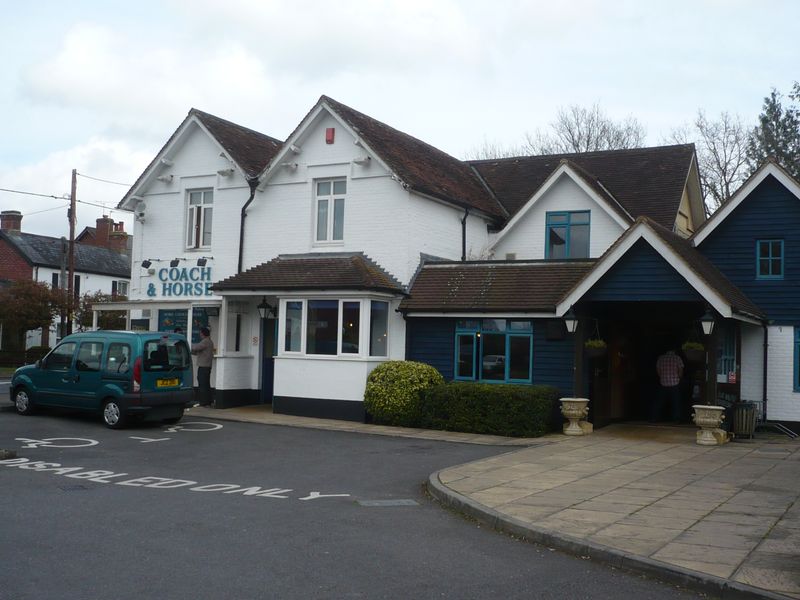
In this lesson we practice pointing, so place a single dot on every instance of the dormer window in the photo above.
(330, 195)
(567, 235)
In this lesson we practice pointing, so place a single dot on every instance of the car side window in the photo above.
(89, 356)
(60, 359)
(119, 358)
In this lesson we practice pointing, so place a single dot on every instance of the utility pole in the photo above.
(71, 280)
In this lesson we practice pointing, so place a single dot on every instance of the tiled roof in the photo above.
(316, 271)
(46, 251)
(493, 286)
(420, 166)
(645, 181)
(250, 149)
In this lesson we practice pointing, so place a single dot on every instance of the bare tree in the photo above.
(721, 154)
(491, 149)
(580, 129)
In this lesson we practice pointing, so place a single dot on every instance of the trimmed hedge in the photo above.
(393, 391)
(508, 410)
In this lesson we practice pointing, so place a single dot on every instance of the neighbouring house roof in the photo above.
(493, 286)
(644, 181)
(45, 251)
(314, 271)
(249, 149)
(420, 166)
(679, 252)
(87, 232)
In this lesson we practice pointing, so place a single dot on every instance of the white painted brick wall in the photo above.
(783, 403)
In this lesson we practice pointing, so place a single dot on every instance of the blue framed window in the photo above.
(797, 359)
(494, 351)
(769, 259)
(567, 234)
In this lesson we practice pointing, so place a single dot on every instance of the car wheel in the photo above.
(23, 402)
(173, 420)
(113, 415)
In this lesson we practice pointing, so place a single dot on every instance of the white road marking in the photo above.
(194, 426)
(50, 442)
(145, 440)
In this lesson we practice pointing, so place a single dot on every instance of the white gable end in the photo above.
(526, 236)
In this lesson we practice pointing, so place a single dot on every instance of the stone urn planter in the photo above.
(709, 418)
(575, 410)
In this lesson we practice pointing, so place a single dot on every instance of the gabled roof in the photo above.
(45, 251)
(693, 266)
(419, 166)
(533, 286)
(250, 150)
(769, 168)
(314, 271)
(644, 181)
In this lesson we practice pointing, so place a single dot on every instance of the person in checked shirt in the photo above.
(670, 371)
(204, 349)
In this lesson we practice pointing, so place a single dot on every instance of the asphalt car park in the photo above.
(210, 509)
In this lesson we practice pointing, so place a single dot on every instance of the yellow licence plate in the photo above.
(166, 383)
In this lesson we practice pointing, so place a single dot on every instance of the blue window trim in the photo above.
(770, 257)
(567, 225)
(477, 354)
(796, 386)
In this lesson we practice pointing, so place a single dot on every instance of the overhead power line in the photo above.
(62, 197)
(103, 180)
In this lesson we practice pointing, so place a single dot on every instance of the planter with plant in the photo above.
(694, 351)
(595, 347)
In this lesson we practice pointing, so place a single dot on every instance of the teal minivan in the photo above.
(121, 374)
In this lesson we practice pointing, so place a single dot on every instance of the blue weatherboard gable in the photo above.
(642, 274)
(770, 212)
(432, 341)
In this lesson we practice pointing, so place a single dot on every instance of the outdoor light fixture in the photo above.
(146, 264)
(707, 322)
(265, 309)
(174, 262)
(571, 321)
(201, 262)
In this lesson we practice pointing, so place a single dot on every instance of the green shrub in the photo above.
(509, 410)
(393, 391)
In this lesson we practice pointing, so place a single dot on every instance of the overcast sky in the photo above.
(100, 86)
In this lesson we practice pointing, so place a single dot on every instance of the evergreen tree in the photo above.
(777, 133)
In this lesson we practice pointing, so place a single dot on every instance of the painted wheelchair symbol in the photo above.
(58, 442)
(193, 426)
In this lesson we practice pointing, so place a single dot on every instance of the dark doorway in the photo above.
(268, 340)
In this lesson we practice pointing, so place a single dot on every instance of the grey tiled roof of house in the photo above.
(644, 181)
(493, 286)
(315, 271)
(45, 251)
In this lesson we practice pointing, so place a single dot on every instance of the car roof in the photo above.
(122, 333)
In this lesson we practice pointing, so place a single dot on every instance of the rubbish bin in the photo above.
(744, 420)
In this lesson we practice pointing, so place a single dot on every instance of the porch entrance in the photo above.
(623, 384)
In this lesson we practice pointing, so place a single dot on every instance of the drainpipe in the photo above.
(764, 382)
(464, 235)
(253, 184)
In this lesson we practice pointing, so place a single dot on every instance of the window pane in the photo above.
(579, 218)
(763, 266)
(494, 324)
(322, 220)
(321, 327)
(556, 242)
(190, 229)
(520, 325)
(556, 218)
(89, 356)
(340, 187)
(378, 328)
(579, 241)
(194, 197)
(166, 354)
(776, 267)
(468, 325)
(207, 226)
(338, 219)
(493, 352)
(294, 324)
(351, 315)
(519, 351)
(119, 358)
(208, 197)
(465, 367)
(323, 188)
(776, 250)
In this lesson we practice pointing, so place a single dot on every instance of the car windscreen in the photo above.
(166, 354)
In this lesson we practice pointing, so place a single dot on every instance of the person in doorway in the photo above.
(669, 367)
(204, 349)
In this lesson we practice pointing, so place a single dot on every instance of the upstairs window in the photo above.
(199, 218)
(769, 259)
(330, 195)
(567, 235)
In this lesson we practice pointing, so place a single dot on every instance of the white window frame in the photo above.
(121, 283)
(198, 223)
(331, 200)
